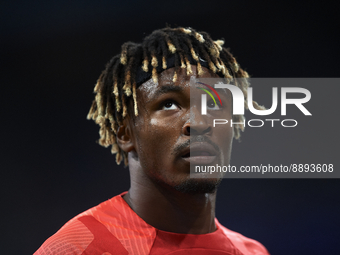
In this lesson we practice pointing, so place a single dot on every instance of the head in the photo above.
(142, 102)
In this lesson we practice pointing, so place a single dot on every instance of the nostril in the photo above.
(187, 130)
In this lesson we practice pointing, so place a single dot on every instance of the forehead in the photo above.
(150, 89)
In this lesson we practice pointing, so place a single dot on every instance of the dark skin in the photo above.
(156, 141)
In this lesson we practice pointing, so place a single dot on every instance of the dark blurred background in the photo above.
(52, 53)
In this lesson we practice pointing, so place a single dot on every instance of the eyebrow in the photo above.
(166, 89)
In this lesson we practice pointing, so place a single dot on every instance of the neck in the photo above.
(167, 209)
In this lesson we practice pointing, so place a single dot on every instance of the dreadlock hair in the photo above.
(117, 84)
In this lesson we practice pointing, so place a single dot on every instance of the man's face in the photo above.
(168, 125)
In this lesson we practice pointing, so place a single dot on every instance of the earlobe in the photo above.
(124, 138)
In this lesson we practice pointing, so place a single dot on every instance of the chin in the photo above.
(198, 186)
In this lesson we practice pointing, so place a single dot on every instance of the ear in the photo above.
(124, 137)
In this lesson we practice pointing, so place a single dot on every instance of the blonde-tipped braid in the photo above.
(182, 62)
(116, 93)
(199, 37)
(154, 64)
(187, 62)
(164, 63)
(123, 55)
(186, 30)
(145, 65)
(124, 107)
(92, 110)
(100, 117)
(219, 44)
(98, 84)
(127, 85)
(193, 54)
(174, 78)
(199, 69)
(114, 148)
(119, 157)
(214, 51)
(134, 92)
(172, 48)
(212, 66)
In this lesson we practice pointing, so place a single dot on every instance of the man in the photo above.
(142, 106)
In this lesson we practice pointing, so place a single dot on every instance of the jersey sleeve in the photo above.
(83, 235)
(73, 238)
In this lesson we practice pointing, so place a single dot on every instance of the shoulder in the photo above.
(244, 244)
(72, 238)
(108, 227)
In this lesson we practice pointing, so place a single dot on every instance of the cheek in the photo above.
(224, 134)
(224, 138)
(156, 139)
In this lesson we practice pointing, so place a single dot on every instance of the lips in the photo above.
(199, 153)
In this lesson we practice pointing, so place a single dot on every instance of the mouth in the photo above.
(199, 153)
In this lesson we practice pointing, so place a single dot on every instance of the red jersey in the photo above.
(114, 228)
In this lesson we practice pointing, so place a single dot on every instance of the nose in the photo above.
(196, 124)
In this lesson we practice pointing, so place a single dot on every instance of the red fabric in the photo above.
(103, 240)
(114, 228)
(215, 243)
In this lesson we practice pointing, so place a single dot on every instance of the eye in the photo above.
(212, 106)
(169, 106)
